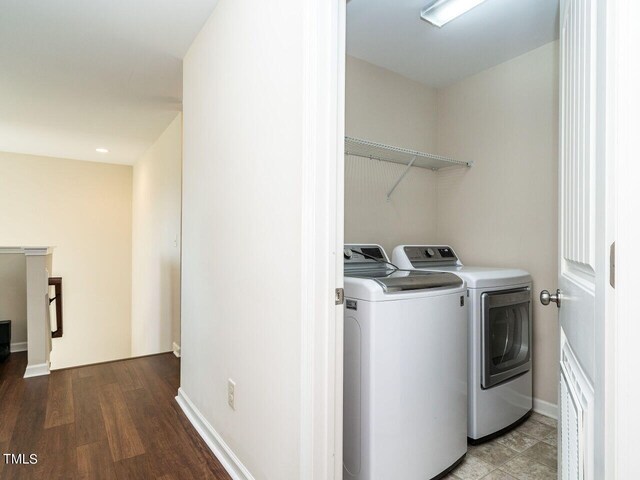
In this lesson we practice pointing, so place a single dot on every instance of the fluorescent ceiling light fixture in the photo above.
(102, 150)
(441, 12)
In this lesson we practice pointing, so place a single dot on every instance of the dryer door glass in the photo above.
(506, 335)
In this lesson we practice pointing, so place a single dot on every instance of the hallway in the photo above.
(115, 420)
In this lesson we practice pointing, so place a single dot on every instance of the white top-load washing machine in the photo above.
(405, 369)
(500, 328)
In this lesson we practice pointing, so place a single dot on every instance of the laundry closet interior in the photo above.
(452, 140)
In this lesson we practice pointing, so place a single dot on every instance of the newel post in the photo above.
(38, 323)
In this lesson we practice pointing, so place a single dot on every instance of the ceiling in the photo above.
(76, 75)
(391, 34)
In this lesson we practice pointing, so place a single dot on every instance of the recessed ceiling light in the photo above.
(441, 12)
(102, 150)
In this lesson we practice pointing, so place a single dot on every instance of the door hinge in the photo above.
(612, 265)
(339, 296)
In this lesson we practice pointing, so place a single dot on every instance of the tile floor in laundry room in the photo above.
(529, 452)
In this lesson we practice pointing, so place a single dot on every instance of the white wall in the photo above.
(503, 211)
(13, 294)
(382, 106)
(82, 209)
(155, 307)
(241, 230)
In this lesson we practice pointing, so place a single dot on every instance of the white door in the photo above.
(582, 249)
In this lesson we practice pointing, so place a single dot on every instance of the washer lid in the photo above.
(393, 281)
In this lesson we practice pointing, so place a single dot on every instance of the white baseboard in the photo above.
(19, 347)
(221, 450)
(176, 349)
(36, 370)
(545, 408)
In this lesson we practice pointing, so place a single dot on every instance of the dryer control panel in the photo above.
(431, 255)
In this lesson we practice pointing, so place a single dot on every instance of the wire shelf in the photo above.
(403, 156)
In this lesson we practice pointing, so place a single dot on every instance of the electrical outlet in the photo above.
(231, 394)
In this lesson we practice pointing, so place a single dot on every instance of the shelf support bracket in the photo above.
(406, 170)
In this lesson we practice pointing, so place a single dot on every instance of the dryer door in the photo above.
(506, 335)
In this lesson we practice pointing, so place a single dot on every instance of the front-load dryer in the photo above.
(405, 369)
(500, 329)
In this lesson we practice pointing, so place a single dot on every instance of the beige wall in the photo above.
(241, 264)
(503, 211)
(155, 308)
(13, 294)
(385, 107)
(82, 209)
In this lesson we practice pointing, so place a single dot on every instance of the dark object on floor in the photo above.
(5, 339)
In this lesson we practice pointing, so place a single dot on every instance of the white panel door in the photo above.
(581, 272)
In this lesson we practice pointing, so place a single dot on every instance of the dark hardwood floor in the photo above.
(115, 420)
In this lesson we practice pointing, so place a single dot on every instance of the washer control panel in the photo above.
(419, 256)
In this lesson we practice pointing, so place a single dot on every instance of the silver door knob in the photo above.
(546, 298)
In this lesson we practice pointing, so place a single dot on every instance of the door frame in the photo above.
(322, 236)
